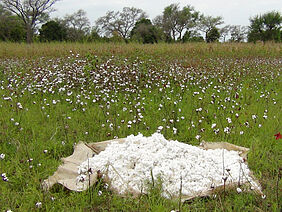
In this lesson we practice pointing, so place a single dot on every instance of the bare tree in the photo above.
(158, 21)
(77, 25)
(121, 22)
(224, 32)
(30, 11)
(78, 21)
(238, 33)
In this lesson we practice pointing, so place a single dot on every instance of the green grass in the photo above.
(149, 85)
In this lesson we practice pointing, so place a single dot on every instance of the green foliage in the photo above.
(266, 27)
(145, 32)
(117, 38)
(213, 35)
(170, 14)
(208, 24)
(30, 12)
(11, 27)
(175, 20)
(191, 36)
(52, 31)
(94, 36)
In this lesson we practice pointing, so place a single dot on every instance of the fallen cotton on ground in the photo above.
(130, 166)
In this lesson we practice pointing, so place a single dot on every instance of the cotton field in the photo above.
(48, 104)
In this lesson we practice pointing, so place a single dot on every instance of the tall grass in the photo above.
(22, 50)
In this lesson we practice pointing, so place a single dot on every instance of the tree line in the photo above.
(29, 20)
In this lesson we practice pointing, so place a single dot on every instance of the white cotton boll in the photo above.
(138, 157)
(38, 204)
(239, 190)
(2, 156)
(213, 126)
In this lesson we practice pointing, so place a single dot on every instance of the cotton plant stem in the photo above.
(89, 180)
(119, 175)
(239, 184)
(277, 186)
(93, 149)
(116, 172)
(180, 195)
(152, 176)
(223, 172)
(54, 133)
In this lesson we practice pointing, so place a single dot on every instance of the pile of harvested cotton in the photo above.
(139, 160)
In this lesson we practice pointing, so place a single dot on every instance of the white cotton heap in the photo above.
(130, 165)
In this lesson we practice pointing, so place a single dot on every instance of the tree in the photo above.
(208, 24)
(192, 36)
(120, 22)
(175, 20)
(11, 27)
(170, 14)
(145, 32)
(272, 26)
(94, 35)
(212, 35)
(187, 19)
(30, 11)
(163, 33)
(224, 32)
(52, 31)
(238, 33)
(77, 25)
(265, 27)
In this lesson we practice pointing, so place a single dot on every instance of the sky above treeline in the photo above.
(234, 12)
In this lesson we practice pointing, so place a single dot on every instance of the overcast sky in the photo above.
(234, 12)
